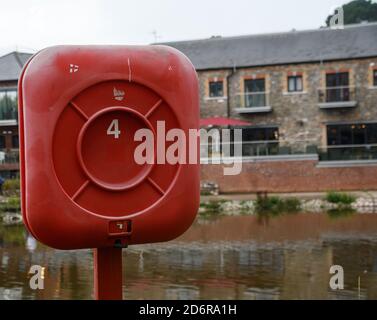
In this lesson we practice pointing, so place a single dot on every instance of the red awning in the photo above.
(221, 122)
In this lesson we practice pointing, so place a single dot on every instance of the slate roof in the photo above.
(11, 65)
(325, 44)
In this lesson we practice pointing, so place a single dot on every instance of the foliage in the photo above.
(212, 206)
(11, 187)
(340, 198)
(12, 204)
(357, 11)
(292, 205)
(276, 205)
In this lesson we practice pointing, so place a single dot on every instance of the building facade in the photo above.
(303, 107)
(310, 98)
(10, 69)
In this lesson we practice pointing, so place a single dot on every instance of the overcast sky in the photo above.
(30, 25)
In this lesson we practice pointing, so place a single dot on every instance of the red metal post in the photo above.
(108, 274)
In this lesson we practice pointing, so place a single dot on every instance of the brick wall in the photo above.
(291, 176)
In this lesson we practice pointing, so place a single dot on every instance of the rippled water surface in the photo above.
(230, 257)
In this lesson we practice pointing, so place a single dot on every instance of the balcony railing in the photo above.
(8, 115)
(348, 152)
(302, 148)
(337, 97)
(257, 149)
(253, 102)
(9, 157)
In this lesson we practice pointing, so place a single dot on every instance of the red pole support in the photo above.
(108, 273)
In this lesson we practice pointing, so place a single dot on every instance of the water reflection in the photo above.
(235, 257)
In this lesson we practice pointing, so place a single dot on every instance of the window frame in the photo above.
(252, 133)
(260, 140)
(338, 88)
(338, 77)
(5, 91)
(348, 133)
(212, 82)
(255, 92)
(295, 77)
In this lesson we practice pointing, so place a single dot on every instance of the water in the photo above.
(231, 257)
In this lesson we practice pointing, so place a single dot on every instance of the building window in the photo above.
(2, 142)
(8, 104)
(375, 78)
(260, 141)
(352, 134)
(255, 93)
(354, 141)
(216, 89)
(337, 87)
(295, 84)
(15, 142)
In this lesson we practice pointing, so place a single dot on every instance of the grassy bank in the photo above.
(335, 203)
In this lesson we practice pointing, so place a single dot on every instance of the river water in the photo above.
(224, 257)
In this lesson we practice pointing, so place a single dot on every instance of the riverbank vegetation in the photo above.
(334, 203)
(277, 205)
(11, 204)
(11, 187)
(340, 199)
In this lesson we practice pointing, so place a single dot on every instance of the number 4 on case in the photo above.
(113, 129)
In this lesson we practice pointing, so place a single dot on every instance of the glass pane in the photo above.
(211, 89)
(291, 84)
(343, 79)
(220, 89)
(255, 141)
(216, 89)
(372, 133)
(272, 134)
(299, 86)
(359, 134)
(331, 80)
(375, 78)
(346, 134)
(254, 85)
(15, 142)
(259, 134)
(332, 135)
(258, 85)
(337, 79)
(8, 105)
(2, 142)
(255, 93)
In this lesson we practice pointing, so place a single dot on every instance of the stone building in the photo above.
(306, 98)
(300, 91)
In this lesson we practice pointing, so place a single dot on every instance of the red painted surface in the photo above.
(81, 185)
(77, 179)
(108, 273)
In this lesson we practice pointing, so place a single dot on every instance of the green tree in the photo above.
(357, 11)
